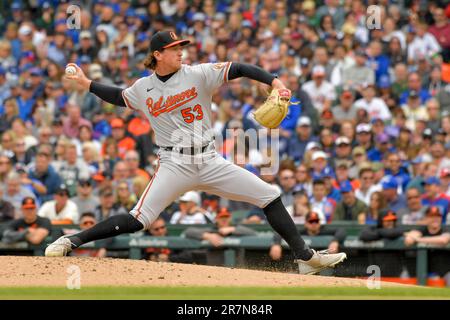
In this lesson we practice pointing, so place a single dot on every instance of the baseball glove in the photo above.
(274, 109)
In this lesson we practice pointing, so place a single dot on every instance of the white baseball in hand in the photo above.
(71, 70)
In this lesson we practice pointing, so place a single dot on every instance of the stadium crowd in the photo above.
(371, 133)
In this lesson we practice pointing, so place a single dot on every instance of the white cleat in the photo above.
(319, 261)
(60, 248)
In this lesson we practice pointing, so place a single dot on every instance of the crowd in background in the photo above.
(371, 131)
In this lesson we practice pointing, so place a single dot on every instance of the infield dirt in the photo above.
(18, 271)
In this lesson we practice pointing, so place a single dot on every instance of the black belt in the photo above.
(187, 150)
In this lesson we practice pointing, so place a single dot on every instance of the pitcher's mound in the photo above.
(41, 271)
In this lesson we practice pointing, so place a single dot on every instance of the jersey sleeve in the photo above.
(132, 96)
(215, 74)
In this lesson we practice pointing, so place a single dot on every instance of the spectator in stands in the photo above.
(434, 197)
(415, 83)
(72, 169)
(303, 179)
(61, 210)
(395, 201)
(433, 233)
(123, 142)
(124, 197)
(190, 210)
(320, 203)
(301, 206)
(345, 110)
(415, 212)
(376, 206)
(132, 160)
(320, 90)
(364, 135)
(5, 167)
(437, 151)
(313, 228)
(360, 74)
(30, 228)
(85, 200)
(367, 187)
(87, 220)
(107, 208)
(44, 173)
(74, 121)
(222, 228)
(297, 143)
(374, 106)
(15, 191)
(287, 184)
(6, 209)
(350, 207)
(395, 169)
(385, 229)
(158, 229)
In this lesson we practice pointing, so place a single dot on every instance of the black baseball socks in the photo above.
(281, 222)
(111, 227)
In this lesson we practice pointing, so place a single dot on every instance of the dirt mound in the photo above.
(41, 271)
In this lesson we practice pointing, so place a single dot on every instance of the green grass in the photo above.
(232, 293)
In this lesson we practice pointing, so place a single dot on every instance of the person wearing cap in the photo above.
(25, 101)
(432, 233)
(319, 164)
(85, 200)
(414, 110)
(395, 201)
(350, 207)
(61, 210)
(86, 45)
(386, 228)
(174, 109)
(297, 143)
(190, 211)
(312, 228)
(31, 228)
(364, 135)
(215, 235)
(321, 92)
(343, 149)
(345, 110)
(382, 146)
(124, 143)
(435, 197)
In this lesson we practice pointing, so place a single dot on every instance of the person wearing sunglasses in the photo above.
(87, 221)
(159, 229)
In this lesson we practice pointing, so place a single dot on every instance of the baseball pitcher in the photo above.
(176, 99)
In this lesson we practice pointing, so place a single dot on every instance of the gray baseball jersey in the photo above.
(179, 111)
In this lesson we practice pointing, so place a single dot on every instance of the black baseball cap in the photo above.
(166, 39)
